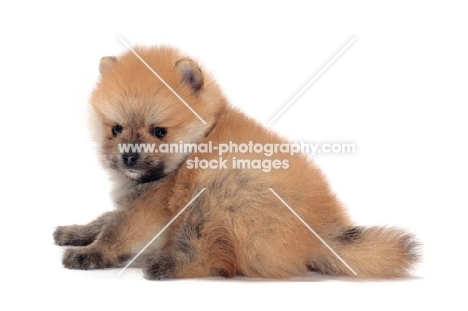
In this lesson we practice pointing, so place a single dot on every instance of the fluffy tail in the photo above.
(370, 252)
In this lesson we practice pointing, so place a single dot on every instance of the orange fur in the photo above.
(237, 226)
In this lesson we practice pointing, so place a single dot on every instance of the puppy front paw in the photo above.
(68, 235)
(84, 258)
(160, 266)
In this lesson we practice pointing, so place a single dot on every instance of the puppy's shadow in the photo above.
(312, 277)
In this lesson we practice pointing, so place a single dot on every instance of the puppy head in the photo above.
(135, 108)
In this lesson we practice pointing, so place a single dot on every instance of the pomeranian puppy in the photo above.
(237, 225)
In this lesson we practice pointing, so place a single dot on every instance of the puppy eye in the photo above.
(159, 132)
(116, 130)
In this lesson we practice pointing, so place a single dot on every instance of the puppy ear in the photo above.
(191, 73)
(106, 62)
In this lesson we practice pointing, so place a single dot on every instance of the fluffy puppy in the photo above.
(237, 225)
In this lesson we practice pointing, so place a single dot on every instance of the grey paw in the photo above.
(67, 235)
(84, 258)
(160, 266)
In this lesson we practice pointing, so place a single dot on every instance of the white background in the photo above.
(398, 93)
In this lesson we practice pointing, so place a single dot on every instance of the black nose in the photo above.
(130, 159)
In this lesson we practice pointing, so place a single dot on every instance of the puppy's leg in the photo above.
(124, 233)
(198, 249)
(81, 235)
(96, 254)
